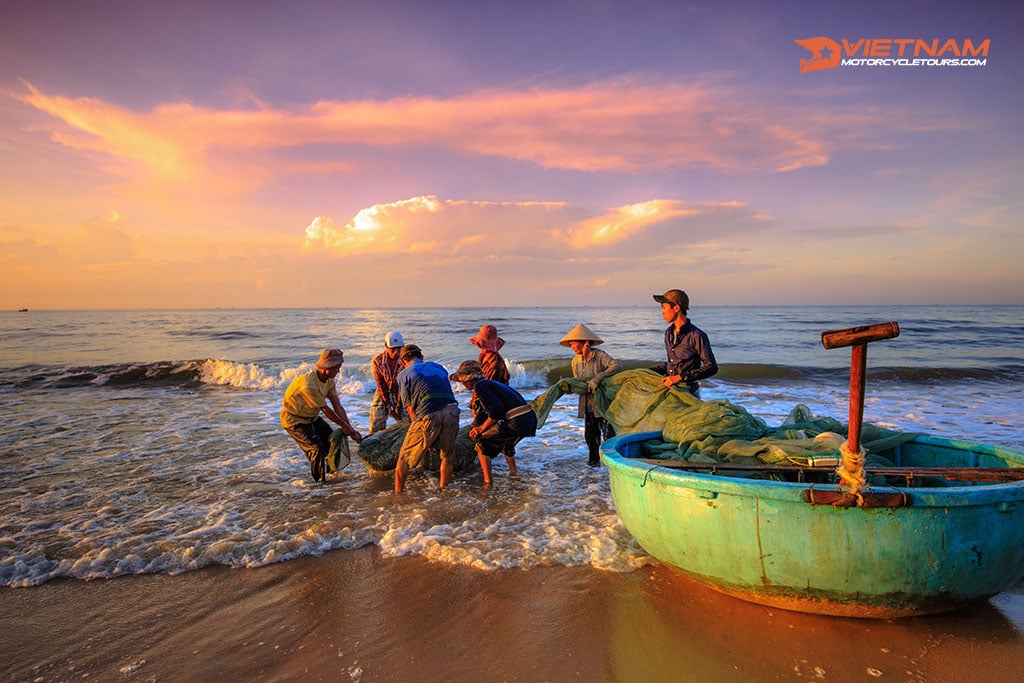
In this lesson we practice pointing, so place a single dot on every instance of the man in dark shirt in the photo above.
(690, 357)
(501, 417)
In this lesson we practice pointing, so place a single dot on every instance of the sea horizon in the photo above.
(483, 307)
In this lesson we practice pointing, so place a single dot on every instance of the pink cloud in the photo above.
(620, 125)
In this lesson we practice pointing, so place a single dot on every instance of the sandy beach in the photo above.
(354, 615)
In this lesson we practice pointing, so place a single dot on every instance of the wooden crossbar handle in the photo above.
(858, 338)
(859, 335)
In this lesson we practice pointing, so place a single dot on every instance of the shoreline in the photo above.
(355, 615)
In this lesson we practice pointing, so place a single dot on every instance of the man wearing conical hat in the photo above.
(593, 365)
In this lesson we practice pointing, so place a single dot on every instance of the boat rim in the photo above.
(944, 496)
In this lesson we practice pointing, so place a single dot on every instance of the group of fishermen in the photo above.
(420, 391)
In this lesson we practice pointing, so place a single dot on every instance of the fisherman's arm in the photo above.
(489, 404)
(337, 414)
(708, 365)
(378, 377)
(483, 427)
(609, 368)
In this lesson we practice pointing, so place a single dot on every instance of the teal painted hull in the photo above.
(760, 541)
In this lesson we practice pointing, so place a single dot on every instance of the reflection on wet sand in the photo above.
(356, 615)
(677, 629)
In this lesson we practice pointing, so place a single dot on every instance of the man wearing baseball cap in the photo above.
(304, 399)
(690, 357)
(386, 365)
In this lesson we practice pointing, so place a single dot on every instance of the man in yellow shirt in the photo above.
(306, 397)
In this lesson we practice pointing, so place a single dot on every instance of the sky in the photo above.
(311, 153)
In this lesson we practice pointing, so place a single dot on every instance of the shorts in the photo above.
(440, 428)
(503, 436)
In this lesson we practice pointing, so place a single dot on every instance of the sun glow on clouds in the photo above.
(430, 224)
(619, 125)
(381, 225)
(619, 224)
(99, 126)
(471, 229)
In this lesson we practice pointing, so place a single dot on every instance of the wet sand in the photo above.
(354, 615)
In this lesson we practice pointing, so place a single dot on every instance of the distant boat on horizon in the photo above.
(22, 310)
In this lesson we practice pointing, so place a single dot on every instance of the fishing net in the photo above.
(721, 431)
(339, 455)
(692, 430)
(380, 450)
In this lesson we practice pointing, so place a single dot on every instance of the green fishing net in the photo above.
(718, 430)
(380, 450)
(693, 430)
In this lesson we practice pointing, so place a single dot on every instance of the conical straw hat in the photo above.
(581, 333)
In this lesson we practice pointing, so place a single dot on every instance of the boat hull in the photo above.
(760, 541)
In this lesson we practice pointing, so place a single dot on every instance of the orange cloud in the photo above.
(622, 222)
(95, 125)
(471, 230)
(452, 227)
(619, 125)
(659, 226)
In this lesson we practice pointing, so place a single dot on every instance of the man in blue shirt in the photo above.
(689, 352)
(426, 393)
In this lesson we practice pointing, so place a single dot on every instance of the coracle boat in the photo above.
(785, 544)
(945, 529)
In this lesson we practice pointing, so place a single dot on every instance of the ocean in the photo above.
(142, 442)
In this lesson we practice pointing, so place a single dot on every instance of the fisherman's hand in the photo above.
(474, 432)
(593, 384)
(671, 380)
(352, 433)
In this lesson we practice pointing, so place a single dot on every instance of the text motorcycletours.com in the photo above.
(913, 62)
(826, 53)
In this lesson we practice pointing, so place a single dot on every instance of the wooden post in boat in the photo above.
(858, 338)
(851, 469)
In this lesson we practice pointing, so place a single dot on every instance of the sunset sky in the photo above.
(342, 153)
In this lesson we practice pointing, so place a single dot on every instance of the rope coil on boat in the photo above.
(851, 471)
